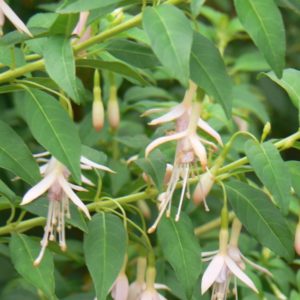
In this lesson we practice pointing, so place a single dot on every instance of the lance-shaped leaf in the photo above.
(208, 71)
(263, 21)
(290, 83)
(271, 170)
(52, 128)
(261, 218)
(171, 37)
(104, 250)
(182, 250)
(294, 169)
(15, 156)
(24, 250)
(133, 53)
(60, 65)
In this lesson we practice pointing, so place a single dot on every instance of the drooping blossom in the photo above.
(225, 263)
(60, 191)
(6, 11)
(82, 31)
(190, 148)
(297, 239)
(144, 290)
(120, 287)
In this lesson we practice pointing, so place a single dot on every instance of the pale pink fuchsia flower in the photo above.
(120, 288)
(60, 191)
(203, 188)
(81, 30)
(190, 148)
(139, 289)
(6, 11)
(226, 262)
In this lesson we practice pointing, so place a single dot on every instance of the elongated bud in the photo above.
(98, 110)
(113, 108)
(168, 174)
(297, 239)
(266, 131)
(203, 188)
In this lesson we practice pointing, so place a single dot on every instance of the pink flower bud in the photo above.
(297, 239)
(203, 188)
(113, 110)
(98, 115)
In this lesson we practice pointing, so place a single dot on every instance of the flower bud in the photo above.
(168, 174)
(113, 109)
(98, 110)
(297, 239)
(203, 188)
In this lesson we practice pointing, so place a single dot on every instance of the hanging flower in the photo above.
(120, 288)
(190, 148)
(60, 191)
(6, 11)
(224, 263)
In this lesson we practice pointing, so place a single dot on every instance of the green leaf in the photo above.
(24, 251)
(263, 21)
(271, 170)
(294, 169)
(196, 6)
(261, 218)
(289, 82)
(52, 128)
(16, 157)
(79, 5)
(133, 53)
(104, 250)
(155, 166)
(182, 250)
(64, 25)
(60, 65)
(6, 191)
(171, 37)
(114, 66)
(208, 71)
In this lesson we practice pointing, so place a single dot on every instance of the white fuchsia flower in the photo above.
(225, 263)
(81, 30)
(60, 191)
(120, 288)
(190, 148)
(6, 11)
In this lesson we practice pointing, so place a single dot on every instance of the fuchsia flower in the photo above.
(190, 147)
(226, 262)
(60, 191)
(6, 11)
(120, 288)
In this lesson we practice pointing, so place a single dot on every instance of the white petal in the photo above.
(72, 196)
(199, 150)
(233, 267)
(209, 253)
(160, 286)
(173, 114)
(92, 164)
(152, 111)
(77, 188)
(41, 154)
(163, 140)
(39, 189)
(10, 14)
(206, 127)
(212, 272)
(86, 180)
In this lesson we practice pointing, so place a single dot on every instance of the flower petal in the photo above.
(163, 140)
(206, 127)
(199, 150)
(86, 180)
(173, 114)
(233, 267)
(212, 272)
(92, 164)
(39, 189)
(72, 196)
(10, 14)
(152, 111)
(77, 188)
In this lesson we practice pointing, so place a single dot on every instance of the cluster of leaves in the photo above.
(151, 50)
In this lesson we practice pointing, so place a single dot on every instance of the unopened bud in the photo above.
(266, 131)
(241, 123)
(297, 239)
(168, 174)
(144, 208)
(203, 188)
(113, 109)
(147, 178)
(98, 110)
